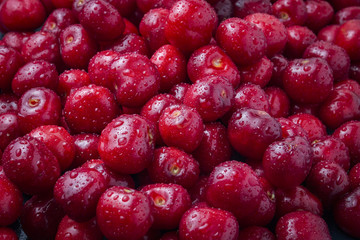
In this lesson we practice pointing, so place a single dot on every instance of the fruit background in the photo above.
(179, 119)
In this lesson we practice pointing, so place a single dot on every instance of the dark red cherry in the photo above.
(11, 202)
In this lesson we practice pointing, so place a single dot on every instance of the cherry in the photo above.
(258, 73)
(274, 31)
(22, 15)
(179, 90)
(171, 165)
(331, 149)
(197, 192)
(41, 216)
(181, 126)
(124, 213)
(8, 234)
(190, 24)
(70, 229)
(302, 225)
(346, 14)
(297, 198)
(38, 106)
(70, 80)
(62, 3)
(10, 62)
(288, 162)
(78, 192)
(42, 46)
(126, 145)
(329, 52)
(256, 233)
(348, 38)
(146, 5)
(89, 109)
(152, 28)
(130, 43)
(211, 60)
(9, 129)
(224, 9)
(328, 33)
(77, 47)
(171, 65)
(242, 8)
(347, 212)
(279, 63)
(11, 202)
(136, 79)
(125, 7)
(291, 129)
(251, 96)
(299, 38)
(16, 39)
(214, 147)
(58, 20)
(86, 148)
(349, 84)
(201, 222)
(241, 40)
(59, 141)
(129, 26)
(30, 165)
(311, 124)
(328, 180)
(102, 20)
(354, 176)
(290, 12)
(170, 201)
(249, 139)
(279, 102)
(319, 14)
(38, 73)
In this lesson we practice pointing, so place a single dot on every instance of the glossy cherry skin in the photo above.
(90, 109)
(290, 12)
(299, 38)
(126, 145)
(212, 97)
(37, 73)
(329, 181)
(328, 33)
(197, 192)
(190, 24)
(22, 15)
(99, 68)
(152, 28)
(279, 102)
(350, 84)
(86, 148)
(102, 20)
(331, 149)
(171, 165)
(58, 20)
(59, 141)
(78, 192)
(291, 129)
(274, 31)
(341, 106)
(130, 43)
(203, 223)
(319, 14)
(302, 225)
(288, 162)
(308, 80)
(117, 217)
(136, 79)
(252, 96)
(10, 62)
(251, 140)
(9, 129)
(154, 107)
(41, 46)
(170, 201)
(256, 233)
(347, 213)
(40, 217)
(214, 147)
(30, 165)
(354, 176)
(181, 126)
(349, 133)
(146, 5)
(348, 38)
(279, 63)
(257, 73)
(242, 8)
(311, 124)
(62, 3)
(179, 90)
(297, 198)
(8, 103)
(234, 34)
(77, 47)
(234, 186)
(330, 52)
(347, 14)
(171, 64)
(70, 229)
(8, 234)
(112, 178)
(212, 60)
(16, 39)
(11, 202)
(71, 79)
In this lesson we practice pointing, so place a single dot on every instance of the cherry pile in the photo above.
(179, 119)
